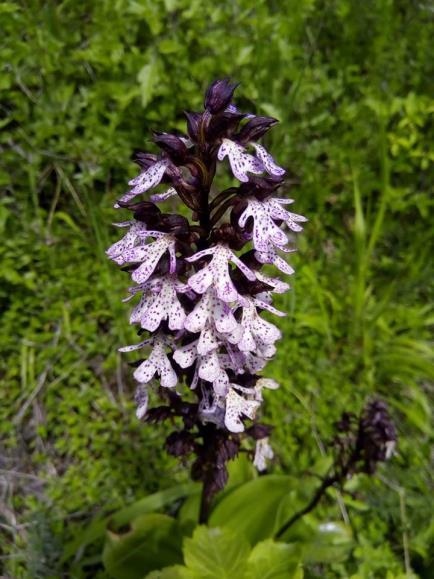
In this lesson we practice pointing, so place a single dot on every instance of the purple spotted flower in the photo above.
(156, 363)
(210, 309)
(148, 179)
(265, 216)
(199, 290)
(160, 302)
(148, 255)
(137, 232)
(236, 407)
(242, 162)
(257, 333)
(217, 273)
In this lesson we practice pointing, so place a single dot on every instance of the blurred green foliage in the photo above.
(81, 85)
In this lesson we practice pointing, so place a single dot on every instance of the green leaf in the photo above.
(175, 572)
(153, 542)
(330, 542)
(153, 503)
(216, 554)
(251, 509)
(148, 504)
(270, 560)
(148, 80)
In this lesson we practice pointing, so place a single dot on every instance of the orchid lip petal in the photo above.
(240, 161)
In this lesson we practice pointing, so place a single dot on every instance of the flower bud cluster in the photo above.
(200, 297)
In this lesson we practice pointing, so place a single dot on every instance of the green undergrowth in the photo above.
(82, 85)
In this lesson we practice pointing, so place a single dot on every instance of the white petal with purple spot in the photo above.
(240, 161)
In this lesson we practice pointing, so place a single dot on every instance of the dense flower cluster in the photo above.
(201, 298)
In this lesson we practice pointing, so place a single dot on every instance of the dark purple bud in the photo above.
(259, 431)
(172, 223)
(180, 443)
(255, 129)
(147, 212)
(227, 450)
(377, 435)
(172, 144)
(250, 260)
(345, 423)
(144, 160)
(158, 414)
(261, 187)
(247, 287)
(223, 125)
(229, 235)
(219, 95)
(193, 124)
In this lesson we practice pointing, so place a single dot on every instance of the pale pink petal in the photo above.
(200, 254)
(150, 254)
(208, 342)
(141, 308)
(158, 197)
(279, 287)
(209, 367)
(221, 384)
(268, 161)
(243, 267)
(145, 371)
(240, 161)
(223, 317)
(263, 453)
(201, 280)
(247, 342)
(237, 406)
(265, 331)
(135, 346)
(225, 289)
(141, 399)
(167, 373)
(186, 355)
(266, 306)
(150, 177)
(196, 320)
(176, 315)
(172, 258)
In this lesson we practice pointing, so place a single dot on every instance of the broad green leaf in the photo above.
(251, 509)
(153, 503)
(241, 470)
(216, 553)
(271, 560)
(153, 542)
(148, 504)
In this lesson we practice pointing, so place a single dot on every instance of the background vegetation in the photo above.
(82, 84)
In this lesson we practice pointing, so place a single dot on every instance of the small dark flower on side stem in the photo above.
(360, 445)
